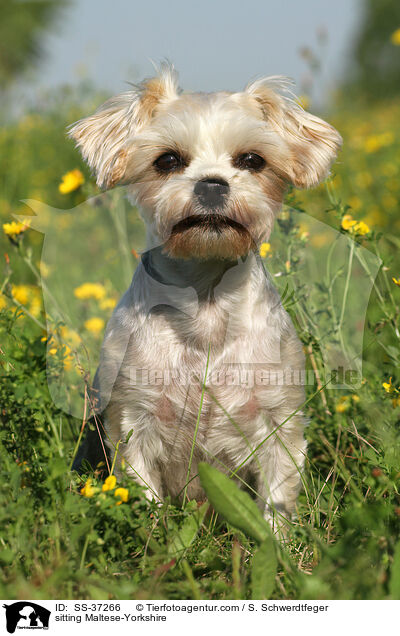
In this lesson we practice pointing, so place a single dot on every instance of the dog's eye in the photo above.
(169, 162)
(249, 161)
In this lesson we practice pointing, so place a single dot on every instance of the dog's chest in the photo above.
(199, 368)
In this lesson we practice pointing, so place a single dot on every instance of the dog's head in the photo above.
(208, 171)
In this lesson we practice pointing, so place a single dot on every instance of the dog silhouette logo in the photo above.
(26, 615)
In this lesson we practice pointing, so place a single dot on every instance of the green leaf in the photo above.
(7, 556)
(235, 505)
(263, 570)
(185, 536)
(394, 585)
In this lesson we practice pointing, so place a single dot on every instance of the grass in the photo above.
(344, 542)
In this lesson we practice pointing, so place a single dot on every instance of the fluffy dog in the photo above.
(208, 173)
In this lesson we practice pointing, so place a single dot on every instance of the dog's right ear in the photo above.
(103, 138)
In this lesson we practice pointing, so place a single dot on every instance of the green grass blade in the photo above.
(235, 505)
(263, 570)
(394, 585)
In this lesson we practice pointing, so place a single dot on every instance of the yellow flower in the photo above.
(389, 388)
(44, 269)
(348, 222)
(355, 227)
(36, 306)
(88, 490)
(71, 181)
(90, 290)
(264, 249)
(396, 402)
(108, 303)
(95, 325)
(395, 37)
(376, 142)
(15, 227)
(123, 494)
(3, 302)
(361, 228)
(396, 281)
(355, 398)
(69, 336)
(21, 293)
(67, 357)
(109, 483)
(343, 405)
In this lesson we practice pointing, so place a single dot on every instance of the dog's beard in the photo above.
(209, 235)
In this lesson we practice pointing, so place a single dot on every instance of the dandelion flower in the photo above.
(95, 325)
(88, 490)
(123, 494)
(108, 303)
(376, 142)
(395, 37)
(109, 483)
(71, 181)
(90, 290)
(264, 249)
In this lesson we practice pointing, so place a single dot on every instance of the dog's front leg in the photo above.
(146, 473)
(281, 462)
(141, 453)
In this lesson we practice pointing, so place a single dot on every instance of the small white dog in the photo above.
(208, 173)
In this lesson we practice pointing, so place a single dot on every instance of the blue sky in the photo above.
(219, 44)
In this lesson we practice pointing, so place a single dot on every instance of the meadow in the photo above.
(68, 536)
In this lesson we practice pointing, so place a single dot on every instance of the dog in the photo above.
(208, 172)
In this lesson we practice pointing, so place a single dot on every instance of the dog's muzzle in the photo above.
(211, 192)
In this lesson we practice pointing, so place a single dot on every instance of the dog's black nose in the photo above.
(211, 191)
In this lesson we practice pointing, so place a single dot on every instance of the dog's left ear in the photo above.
(103, 138)
(312, 143)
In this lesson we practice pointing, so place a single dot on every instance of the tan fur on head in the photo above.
(103, 138)
(312, 142)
